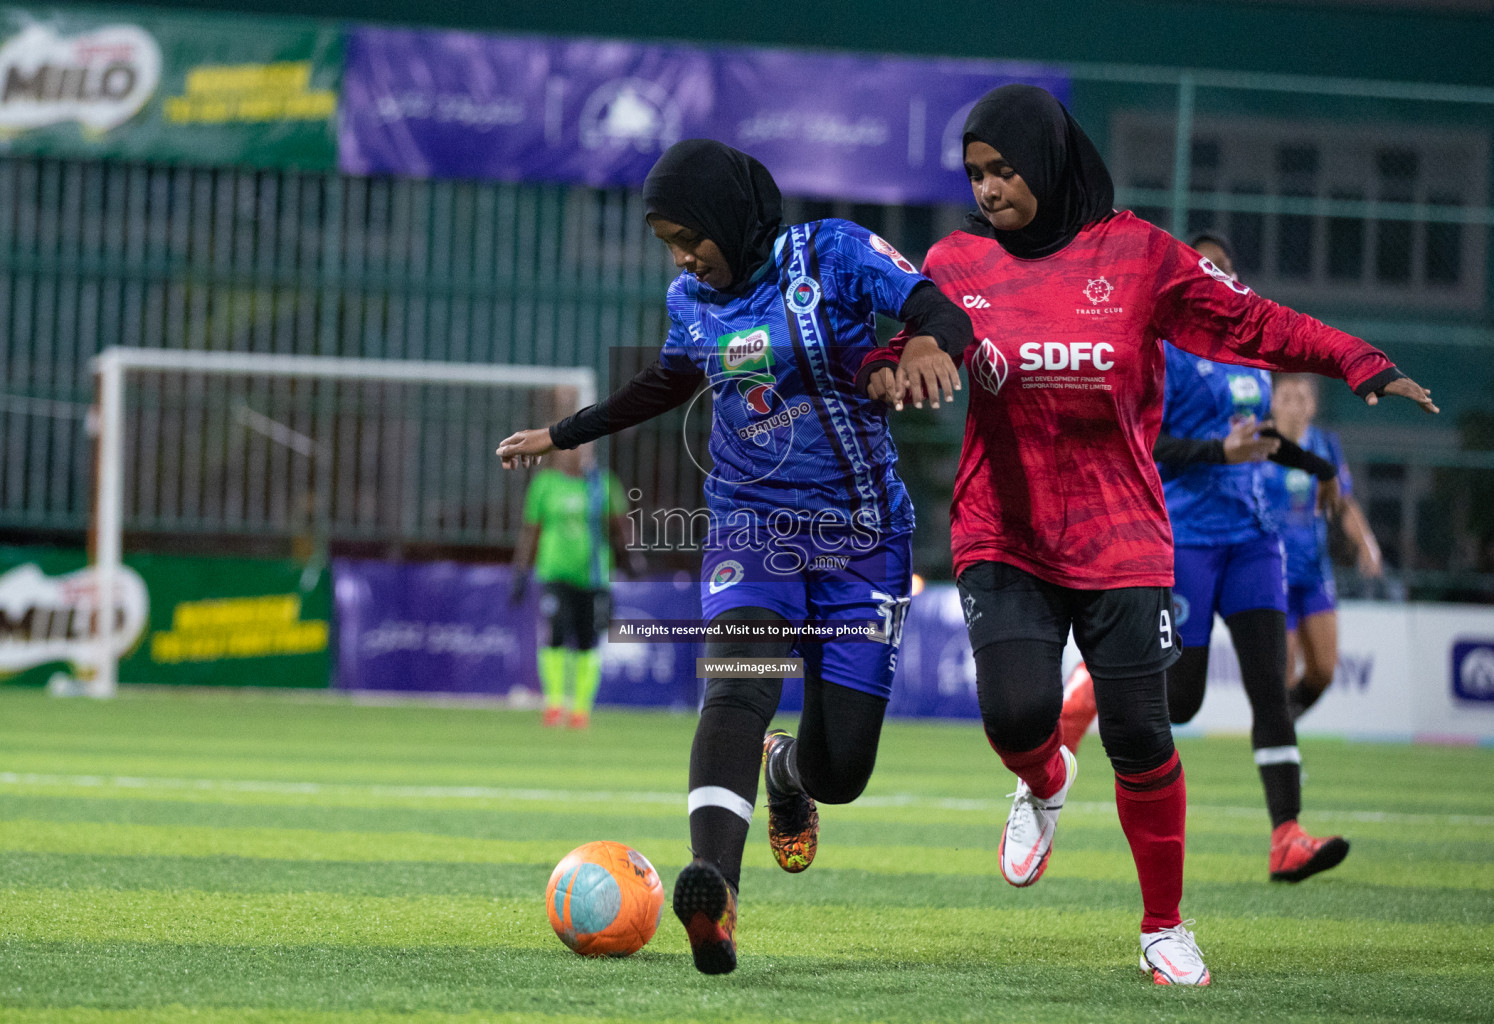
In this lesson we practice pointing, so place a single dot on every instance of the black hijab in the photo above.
(722, 193)
(1045, 145)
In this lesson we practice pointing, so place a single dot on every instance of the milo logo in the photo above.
(99, 79)
(1244, 390)
(746, 351)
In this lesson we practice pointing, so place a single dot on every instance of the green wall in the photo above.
(1300, 38)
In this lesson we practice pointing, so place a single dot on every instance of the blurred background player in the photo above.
(574, 521)
(1311, 615)
(809, 518)
(1058, 518)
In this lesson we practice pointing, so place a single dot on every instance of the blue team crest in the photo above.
(726, 574)
(803, 294)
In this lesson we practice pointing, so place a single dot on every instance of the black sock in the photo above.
(1260, 644)
(724, 762)
(783, 767)
(1283, 783)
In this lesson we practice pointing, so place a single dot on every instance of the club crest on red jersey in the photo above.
(1098, 291)
(1232, 283)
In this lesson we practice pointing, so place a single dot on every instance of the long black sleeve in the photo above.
(1187, 451)
(1294, 456)
(653, 391)
(929, 311)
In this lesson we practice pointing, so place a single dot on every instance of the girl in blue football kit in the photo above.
(1228, 558)
(809, 520)
(1311, 615)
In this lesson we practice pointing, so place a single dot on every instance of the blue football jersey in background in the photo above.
(1212, 504)
(790, 431)
(1294, 493)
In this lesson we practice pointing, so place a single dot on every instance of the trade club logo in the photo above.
(1098, 291)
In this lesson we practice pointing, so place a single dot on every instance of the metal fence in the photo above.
(1365, 203)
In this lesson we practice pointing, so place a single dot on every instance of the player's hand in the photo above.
(886, 385)
(525, 448)
(928, 372)
(1243, 443)
(1369, 563)
(1406, 388)
(1329, 498)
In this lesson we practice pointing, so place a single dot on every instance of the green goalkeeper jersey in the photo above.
(573, 514)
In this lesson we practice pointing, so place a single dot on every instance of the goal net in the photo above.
(293, 453)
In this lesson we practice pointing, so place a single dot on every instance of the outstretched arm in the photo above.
(1204, 311)
(655, 390)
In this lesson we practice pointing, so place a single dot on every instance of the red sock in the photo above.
(1042, 769)
(1152, 809)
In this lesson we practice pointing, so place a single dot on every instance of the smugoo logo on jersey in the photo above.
(762, 428)
(755, 391)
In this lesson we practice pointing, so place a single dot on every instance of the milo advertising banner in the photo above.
(136, 86)
(181, 620)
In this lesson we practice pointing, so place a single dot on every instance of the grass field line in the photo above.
(841, 932)
(595, 796)
(113, 839)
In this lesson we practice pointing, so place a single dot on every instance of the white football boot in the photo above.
(1172, 956)
(1028, 839)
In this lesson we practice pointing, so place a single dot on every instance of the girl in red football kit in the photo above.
(1058, 518)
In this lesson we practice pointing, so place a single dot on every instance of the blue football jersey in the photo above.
(1294, 494)
(789, 429)
(1212, 504)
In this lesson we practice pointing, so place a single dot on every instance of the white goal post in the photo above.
(112, 365)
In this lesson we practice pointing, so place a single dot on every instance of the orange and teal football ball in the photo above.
(604, 899)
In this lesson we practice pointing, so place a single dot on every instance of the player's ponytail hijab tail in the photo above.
(722, 193)
(1045, 145)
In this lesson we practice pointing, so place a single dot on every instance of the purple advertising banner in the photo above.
(443, 627)
(438, 627)
(514, 108)
(875, 129)
(459, 105)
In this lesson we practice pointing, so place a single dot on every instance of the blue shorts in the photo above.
(1226, 579)
(1310, 599)
(817, 580)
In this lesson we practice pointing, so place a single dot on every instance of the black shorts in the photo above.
(575, 615)
(1122, 633)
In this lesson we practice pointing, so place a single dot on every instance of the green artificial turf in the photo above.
(216, 858)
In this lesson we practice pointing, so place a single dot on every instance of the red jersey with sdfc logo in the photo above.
(1056, 476)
